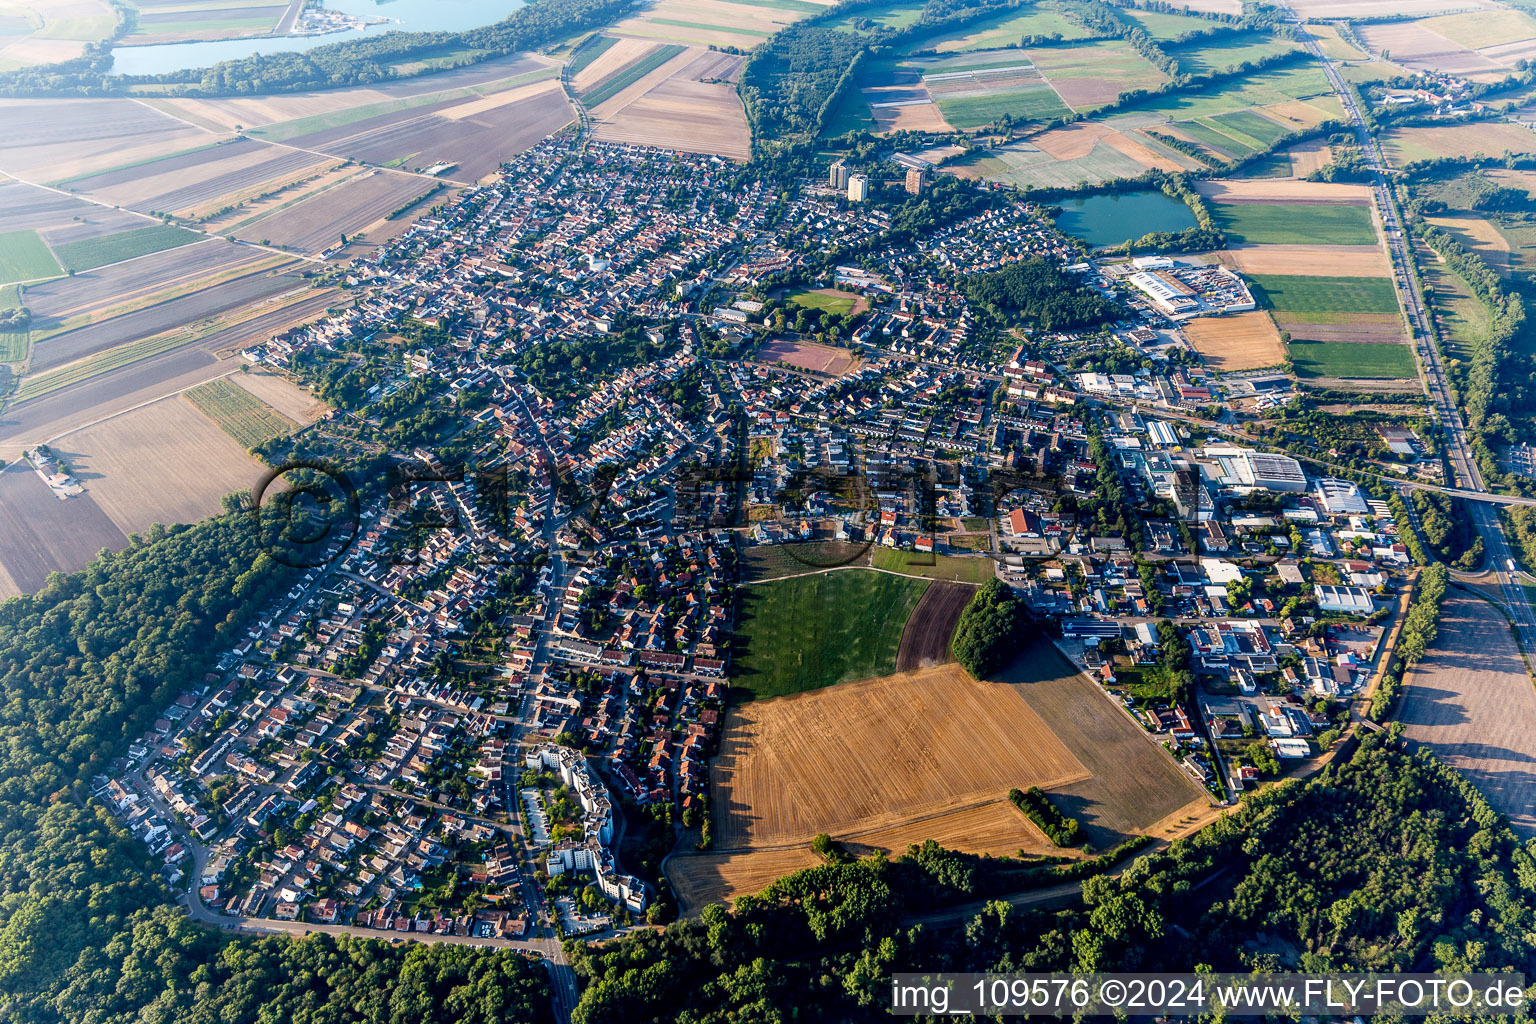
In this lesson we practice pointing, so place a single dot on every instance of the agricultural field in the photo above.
(718, 23)
(43, 534)
(1090, 151)
(1310, 260)
(1162, 26)
(163, 463)
(877, 753)
(1208, 56)
(1291, 224)
(624, 77)
(1346, 360)
(182, 184)
(807, 632)
(1482, 45)
(772, 561)
(1321, 295)
(88, 254)
(24, 256)
(1299, 93)
(239, 413)
(36, 32)
(933, 567)
(1006, 28)
(281, 395)
(180, 21)
(1483, 237)
(53, 141)
(807, 355)
(1427, 142)
(688, 102)
(1094, 73)
(318, 221)
(1245, 341)
(925, 640)
(1470, 701)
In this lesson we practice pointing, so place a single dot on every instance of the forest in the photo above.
(1042, 293)
(1384, 861)
(992, 629)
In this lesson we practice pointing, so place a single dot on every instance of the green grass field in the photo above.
(1295, 294)
(618, 83)
(239, 413)
(706, 27)
(24, 257)
(898, 15)
(1203, 57)
(808, 632)
(1281, 224)
(1005, 28)
(842, 305)
(933, 567)
(1253, 126)
(1163, 27)
(1275, 85)
(1275, 165)
(89, 253)
(1037, 104)
(13, 344)
(594, 49)
(1216, 139)
(1352, 359)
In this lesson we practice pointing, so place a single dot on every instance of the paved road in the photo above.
(1467, 476)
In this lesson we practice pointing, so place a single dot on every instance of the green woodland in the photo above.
(992, 628)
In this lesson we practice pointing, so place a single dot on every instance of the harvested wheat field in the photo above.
(163, 463)
(1311, 260)
(1428, 142)
(1244, 341)
(993, 828)
(875, 754)
(700, 879)
(1332, 9)
(1309, 156)
(1479, 235)
(1077, 140)
(610, 62)
(1281, 190)
(283, 395)
(1414, 45)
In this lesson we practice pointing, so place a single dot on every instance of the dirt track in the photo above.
(1471, 701)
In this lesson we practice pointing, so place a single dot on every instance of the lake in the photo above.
(407, 15)
(1113, 219)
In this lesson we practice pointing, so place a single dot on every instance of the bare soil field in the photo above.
(925, 638)
(98, 134)
(1310, 260)
(1243, 341)
(1282, 190)
(808, 355)
(25, 207)
(606, 110)
(1471, 701)
(181, 185)
(877, 753)
(43, 534)
(163, 316)
(1490, 138)
(1414, 45)
(225, 113)
(1378, 328)
(1076, 141)
(1332, 9)
(319, 221)
(1093, 74)
(916, 117)
(163, 463)
(283, 395)
(684, 111)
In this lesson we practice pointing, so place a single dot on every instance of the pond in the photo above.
(404, 15)
(1113, 219)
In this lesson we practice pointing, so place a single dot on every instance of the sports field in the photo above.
(1295, 224)
(1325, 294)
(807, 632)
(1345, 359)
(828, 300)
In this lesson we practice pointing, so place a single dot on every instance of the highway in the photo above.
(1467, 477)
